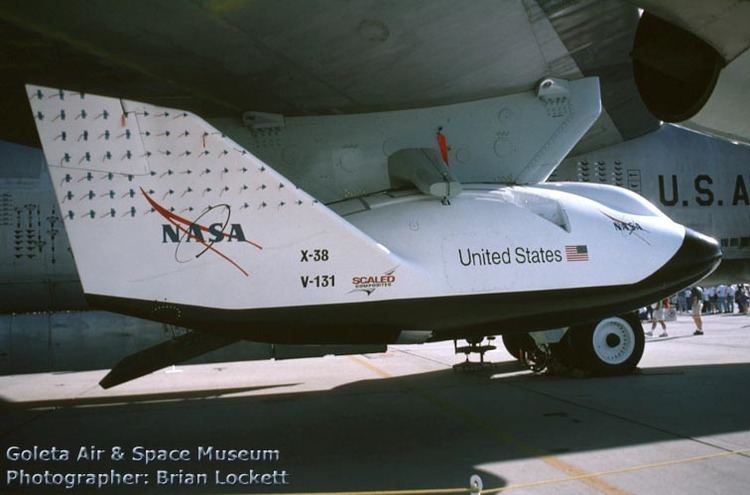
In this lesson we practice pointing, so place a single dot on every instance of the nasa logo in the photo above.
(181, 231)
(214, 233)
(628, 227)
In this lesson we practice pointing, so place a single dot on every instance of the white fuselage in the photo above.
(515, 239)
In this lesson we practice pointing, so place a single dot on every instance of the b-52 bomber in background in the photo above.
(172, 221)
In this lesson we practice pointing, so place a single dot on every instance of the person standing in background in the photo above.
(706, 299)
(659, 311)
(682, 300)
(741, 297)
(688, 297)
(697, 302)
(721, 298)
(731, 291)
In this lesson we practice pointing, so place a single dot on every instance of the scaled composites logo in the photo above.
(370, 283)
(629, 228)
(209, 228)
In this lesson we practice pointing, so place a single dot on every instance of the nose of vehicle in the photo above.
(698, 256)
(701, 251)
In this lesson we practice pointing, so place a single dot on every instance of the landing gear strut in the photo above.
(523, 347)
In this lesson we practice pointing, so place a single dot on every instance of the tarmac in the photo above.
(399, 422)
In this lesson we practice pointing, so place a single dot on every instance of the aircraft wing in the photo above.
(318, 57)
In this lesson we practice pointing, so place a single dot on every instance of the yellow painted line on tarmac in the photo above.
(611, 472)
(532, 484)
(364, 362)
(574, 473)
(426, 491)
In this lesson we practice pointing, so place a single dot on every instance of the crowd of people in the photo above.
(698, 301)
(716, 299)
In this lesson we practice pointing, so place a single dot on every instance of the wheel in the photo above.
(565, 352)
(517, 342)
(612, 346)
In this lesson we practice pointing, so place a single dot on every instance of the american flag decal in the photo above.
(576, 253)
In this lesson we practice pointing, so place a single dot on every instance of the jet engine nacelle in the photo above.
(683, 78)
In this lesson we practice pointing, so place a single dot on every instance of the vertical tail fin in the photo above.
(161, 206)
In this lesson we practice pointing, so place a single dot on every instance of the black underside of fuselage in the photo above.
(448, 317)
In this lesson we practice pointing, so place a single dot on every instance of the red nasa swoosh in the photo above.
(177, 220)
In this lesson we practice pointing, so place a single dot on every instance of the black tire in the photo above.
(517, 342)
(565, 351)
(612, 346)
